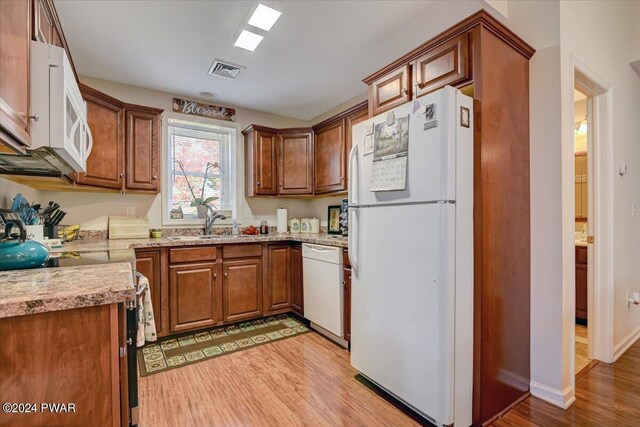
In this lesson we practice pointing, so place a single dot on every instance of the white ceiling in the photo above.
(313, 59)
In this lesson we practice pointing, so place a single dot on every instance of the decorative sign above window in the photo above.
(205, 110)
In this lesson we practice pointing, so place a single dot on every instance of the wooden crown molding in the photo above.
(481, 18)
(359, 106)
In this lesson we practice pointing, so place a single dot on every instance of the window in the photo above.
(198, 166)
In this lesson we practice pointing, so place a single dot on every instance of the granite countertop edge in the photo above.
(33, 291)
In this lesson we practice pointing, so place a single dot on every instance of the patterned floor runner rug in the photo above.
(173, 352)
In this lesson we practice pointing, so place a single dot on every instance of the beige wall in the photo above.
(91, 210)
(8, 190)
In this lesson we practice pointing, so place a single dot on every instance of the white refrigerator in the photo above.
(411, 252)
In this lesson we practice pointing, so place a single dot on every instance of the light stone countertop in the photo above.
(41, 290)
(124, 244)
(51, 289)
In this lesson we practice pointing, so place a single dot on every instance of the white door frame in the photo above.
(600, 212)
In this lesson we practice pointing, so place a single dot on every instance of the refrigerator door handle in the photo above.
(353, 239)
(353, 178)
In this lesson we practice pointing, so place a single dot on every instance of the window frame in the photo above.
(232, 182)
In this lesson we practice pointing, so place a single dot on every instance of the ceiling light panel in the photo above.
(264, 17)
(248, 40)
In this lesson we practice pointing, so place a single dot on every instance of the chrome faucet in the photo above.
(210, 219)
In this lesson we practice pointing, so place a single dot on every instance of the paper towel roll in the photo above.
(281, 219)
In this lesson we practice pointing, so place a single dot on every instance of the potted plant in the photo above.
(200, 203)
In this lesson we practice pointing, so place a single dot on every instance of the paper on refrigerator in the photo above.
(390, 155)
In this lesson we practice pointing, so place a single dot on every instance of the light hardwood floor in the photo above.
(581, 356)
(299, 381)
(607, 395)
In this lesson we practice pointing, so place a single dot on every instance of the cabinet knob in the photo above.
(280, 184)
(404, 91)
(154, 177)
(215, 275)
(342, 179)
(35, 117)
(226, 274)
(258, 183)
(121, 175)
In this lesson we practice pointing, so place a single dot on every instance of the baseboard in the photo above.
(560, 398)
(628, 341)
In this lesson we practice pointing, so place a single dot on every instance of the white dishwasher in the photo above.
(323, 295)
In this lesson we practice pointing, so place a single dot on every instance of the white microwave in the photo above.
(60, 122)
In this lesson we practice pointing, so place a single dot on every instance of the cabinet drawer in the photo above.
(205, 253)
(581, 255)
(447, 64)
(242, 250)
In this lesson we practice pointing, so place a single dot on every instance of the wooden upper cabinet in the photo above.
(193, 289)
(330, 158)
(278, 290)
(447, 64)
(260, 161)
(242, 289)
(15, 37)
(42, 23)
(142, 148)
(105, 165)
(295, 162)
(390, 90)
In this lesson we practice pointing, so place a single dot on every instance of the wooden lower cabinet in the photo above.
(277, 295)
(194, 301)
(148, 263)
(297, 293)
(68, 356)
(581, 283)
(242, 289)
(346, 309)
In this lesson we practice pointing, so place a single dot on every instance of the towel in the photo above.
(146, 321)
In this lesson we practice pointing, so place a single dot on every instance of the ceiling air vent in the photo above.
(225, 69)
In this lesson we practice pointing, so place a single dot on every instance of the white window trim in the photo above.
(234, 188)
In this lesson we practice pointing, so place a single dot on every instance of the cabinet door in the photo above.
(15, 37)
(192, 296)
(278, 289)
(581, 289)
(56, 40)
(447, 64)
(105, 165)
(143, 149)
(390, 90)
(295, 163)
(148, 264)
(330, 159)
(42, 23)
(242, 289)
(346, 283)
(352, 120)
(265, 163)
(297, 295)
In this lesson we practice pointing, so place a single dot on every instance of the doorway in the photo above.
(594, 189)
(582, 355)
